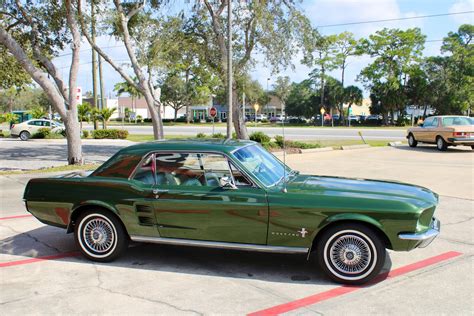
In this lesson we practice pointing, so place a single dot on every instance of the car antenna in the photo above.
(284, 149)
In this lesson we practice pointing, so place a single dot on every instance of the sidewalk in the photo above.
(35, 154)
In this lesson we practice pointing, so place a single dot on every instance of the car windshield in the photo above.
(456, 120)
(263, 165)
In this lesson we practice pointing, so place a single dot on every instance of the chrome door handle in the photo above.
(158, 192)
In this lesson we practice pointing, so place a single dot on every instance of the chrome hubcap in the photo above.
(350, 254)
(98, 235)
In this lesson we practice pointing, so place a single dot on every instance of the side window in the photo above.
(179, 169)
(215, 167)
(435, 123)
(428, 122)
(239, 178)
(145, 172)
(46, 123)
(32, 122)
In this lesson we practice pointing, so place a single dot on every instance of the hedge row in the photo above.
(110, 134)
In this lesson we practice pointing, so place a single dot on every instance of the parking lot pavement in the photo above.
(178, 280)
(35, 154)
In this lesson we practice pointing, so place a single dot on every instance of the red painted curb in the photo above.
(16, 216)
(341, 290)
(38, 259)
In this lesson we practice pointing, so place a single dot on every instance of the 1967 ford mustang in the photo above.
(234, 195)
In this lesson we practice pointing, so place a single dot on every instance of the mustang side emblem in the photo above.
(303, 232)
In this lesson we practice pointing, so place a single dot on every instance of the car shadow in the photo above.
(426, 148)
(269, 267)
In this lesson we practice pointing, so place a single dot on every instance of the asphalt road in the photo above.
(295, 133)
(169, 280)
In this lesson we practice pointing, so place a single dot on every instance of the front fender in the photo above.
(347, 217)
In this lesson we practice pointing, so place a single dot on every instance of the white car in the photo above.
(26, 129)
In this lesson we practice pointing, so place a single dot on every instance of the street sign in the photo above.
(322, 111)
(213, 112)
(350, 110)
(256, 107)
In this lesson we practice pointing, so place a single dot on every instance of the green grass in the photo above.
(148, 138)
(336, 144)
(91, 166)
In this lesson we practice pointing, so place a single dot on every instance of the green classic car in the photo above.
(234, 195)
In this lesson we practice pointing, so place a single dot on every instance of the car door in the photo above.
(423, 134)
(191, 203)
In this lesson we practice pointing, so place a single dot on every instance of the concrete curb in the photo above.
(395, 144)
(350, 147)
(316, 150)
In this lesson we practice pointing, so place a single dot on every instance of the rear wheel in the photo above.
(350, 253)
(100, 236)
(25, 135)
(412, 142)
(441, 144)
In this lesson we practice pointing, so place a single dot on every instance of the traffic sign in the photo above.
(322, 111)
(213, 112)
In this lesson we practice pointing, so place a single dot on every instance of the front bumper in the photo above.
(423, 239)
(462, 140)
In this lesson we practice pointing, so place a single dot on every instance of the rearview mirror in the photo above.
(226, 183)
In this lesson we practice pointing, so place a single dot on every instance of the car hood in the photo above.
(354, 187)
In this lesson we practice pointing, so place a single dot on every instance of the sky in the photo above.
(320, 13)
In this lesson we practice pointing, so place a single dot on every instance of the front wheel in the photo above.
(350, 253)
(100, 236)
(412, 142)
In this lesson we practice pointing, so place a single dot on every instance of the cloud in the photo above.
(462, 6)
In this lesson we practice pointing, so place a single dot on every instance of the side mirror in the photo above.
(226, 183)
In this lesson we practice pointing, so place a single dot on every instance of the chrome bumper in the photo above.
(424, 238)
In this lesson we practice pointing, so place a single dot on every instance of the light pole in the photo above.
(229, 70)
(268, 96)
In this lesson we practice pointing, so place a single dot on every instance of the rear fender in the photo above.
(89, 204)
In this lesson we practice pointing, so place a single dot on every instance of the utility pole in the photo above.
(229, 70)
(94, 62)
(101, 80)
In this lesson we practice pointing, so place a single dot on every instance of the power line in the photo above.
(89, 49)
(397, 19)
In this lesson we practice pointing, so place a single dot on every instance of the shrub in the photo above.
(42, 133)
(218, 135)
(110, 134)
(279, 140)
(85, 134)
(147, 120)
(201, 135)
(260, 137)
(234, 135)
(1, 134)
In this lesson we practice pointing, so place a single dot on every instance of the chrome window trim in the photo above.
(255, 184)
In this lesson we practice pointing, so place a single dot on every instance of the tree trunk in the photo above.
(73, 136)
(154, 112)
(175, 114)
(239, 122)
(342, 118)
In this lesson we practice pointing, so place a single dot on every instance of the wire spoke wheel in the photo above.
(350, 254)
(98, 235)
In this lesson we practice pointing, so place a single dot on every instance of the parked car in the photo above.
(354, 119)
(277, 118)
(261, 117)
(26, 129)
(374, 119)
(444, 131)
(233, 194)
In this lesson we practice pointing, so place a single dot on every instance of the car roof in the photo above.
(192, 144)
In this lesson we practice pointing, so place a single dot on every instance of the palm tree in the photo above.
(37, 112)
(83, 113)
(125, 87)
(105, 114)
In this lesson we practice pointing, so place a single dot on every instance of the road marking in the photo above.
(38, 259)
(16, 216)
(345, 289)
